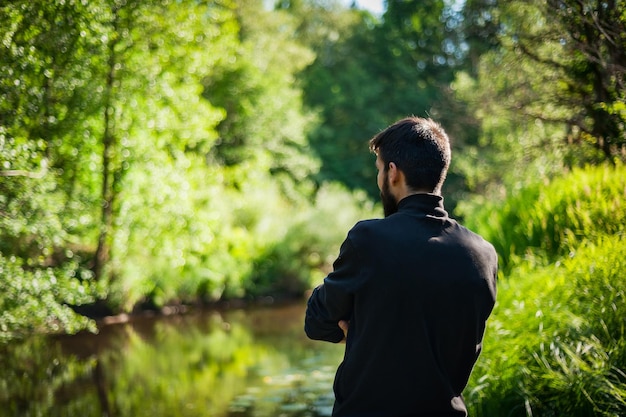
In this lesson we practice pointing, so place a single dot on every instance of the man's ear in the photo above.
(393, 172)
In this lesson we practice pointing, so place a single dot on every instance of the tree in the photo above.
(155, 62)
(264, 122)
(593, 67)
(566, 68)
(549, 97)
(342, 87)
(417, 47)
(48, 48)
(46, 51)
(371, 71)
(91, 91)
(478, 31)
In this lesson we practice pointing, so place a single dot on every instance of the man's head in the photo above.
(413, 154)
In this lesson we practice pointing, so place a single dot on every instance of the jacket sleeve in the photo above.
(333, 300)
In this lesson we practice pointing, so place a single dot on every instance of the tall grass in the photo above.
(556, 345)
(551, 219)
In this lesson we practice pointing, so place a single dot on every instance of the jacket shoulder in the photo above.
(365, 230)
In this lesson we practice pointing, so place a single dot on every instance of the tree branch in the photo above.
(28, 174)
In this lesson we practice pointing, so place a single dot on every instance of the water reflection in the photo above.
(241, 363)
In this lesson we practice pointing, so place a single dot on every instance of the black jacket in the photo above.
(417, 288)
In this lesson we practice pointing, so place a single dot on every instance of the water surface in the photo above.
(253, 362)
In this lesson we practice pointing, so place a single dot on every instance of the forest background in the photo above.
(190, 152)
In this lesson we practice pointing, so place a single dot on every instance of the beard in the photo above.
(390, 205)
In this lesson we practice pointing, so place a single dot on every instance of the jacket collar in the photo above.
(430, 205)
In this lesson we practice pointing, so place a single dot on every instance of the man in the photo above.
(414, 288)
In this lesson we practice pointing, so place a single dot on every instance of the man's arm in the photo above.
(332, 301)
(319, 323)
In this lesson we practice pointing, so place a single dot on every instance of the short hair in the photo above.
(420, 148)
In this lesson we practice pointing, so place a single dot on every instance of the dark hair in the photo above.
(420, 148)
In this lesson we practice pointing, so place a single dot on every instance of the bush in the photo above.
(301, 259)
(551, 219)
(555, 344)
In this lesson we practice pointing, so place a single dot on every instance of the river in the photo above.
(239, 362)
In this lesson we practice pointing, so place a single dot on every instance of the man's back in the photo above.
(417, 289)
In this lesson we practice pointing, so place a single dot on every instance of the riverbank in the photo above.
(102, 315)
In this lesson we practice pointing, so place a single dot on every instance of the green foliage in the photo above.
(548, 97)
(29, 220)
(510, 149)
(110, 151)
(49, 59)
(206, 236)
(153, 109)
(344, 86)
(38, 300)
(556, 343)
(39, 271)
(371, 71)
(253, 89)
(164, 128)
(183, 137)
(552, 219)
(305, 253)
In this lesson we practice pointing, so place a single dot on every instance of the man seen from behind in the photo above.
(414, 289)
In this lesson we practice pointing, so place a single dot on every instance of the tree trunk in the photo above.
(103, 251)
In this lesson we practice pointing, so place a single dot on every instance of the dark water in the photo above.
(238, 363)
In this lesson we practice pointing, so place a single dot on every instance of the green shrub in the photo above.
(305, 254)
(555, 344)
(551, 219)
